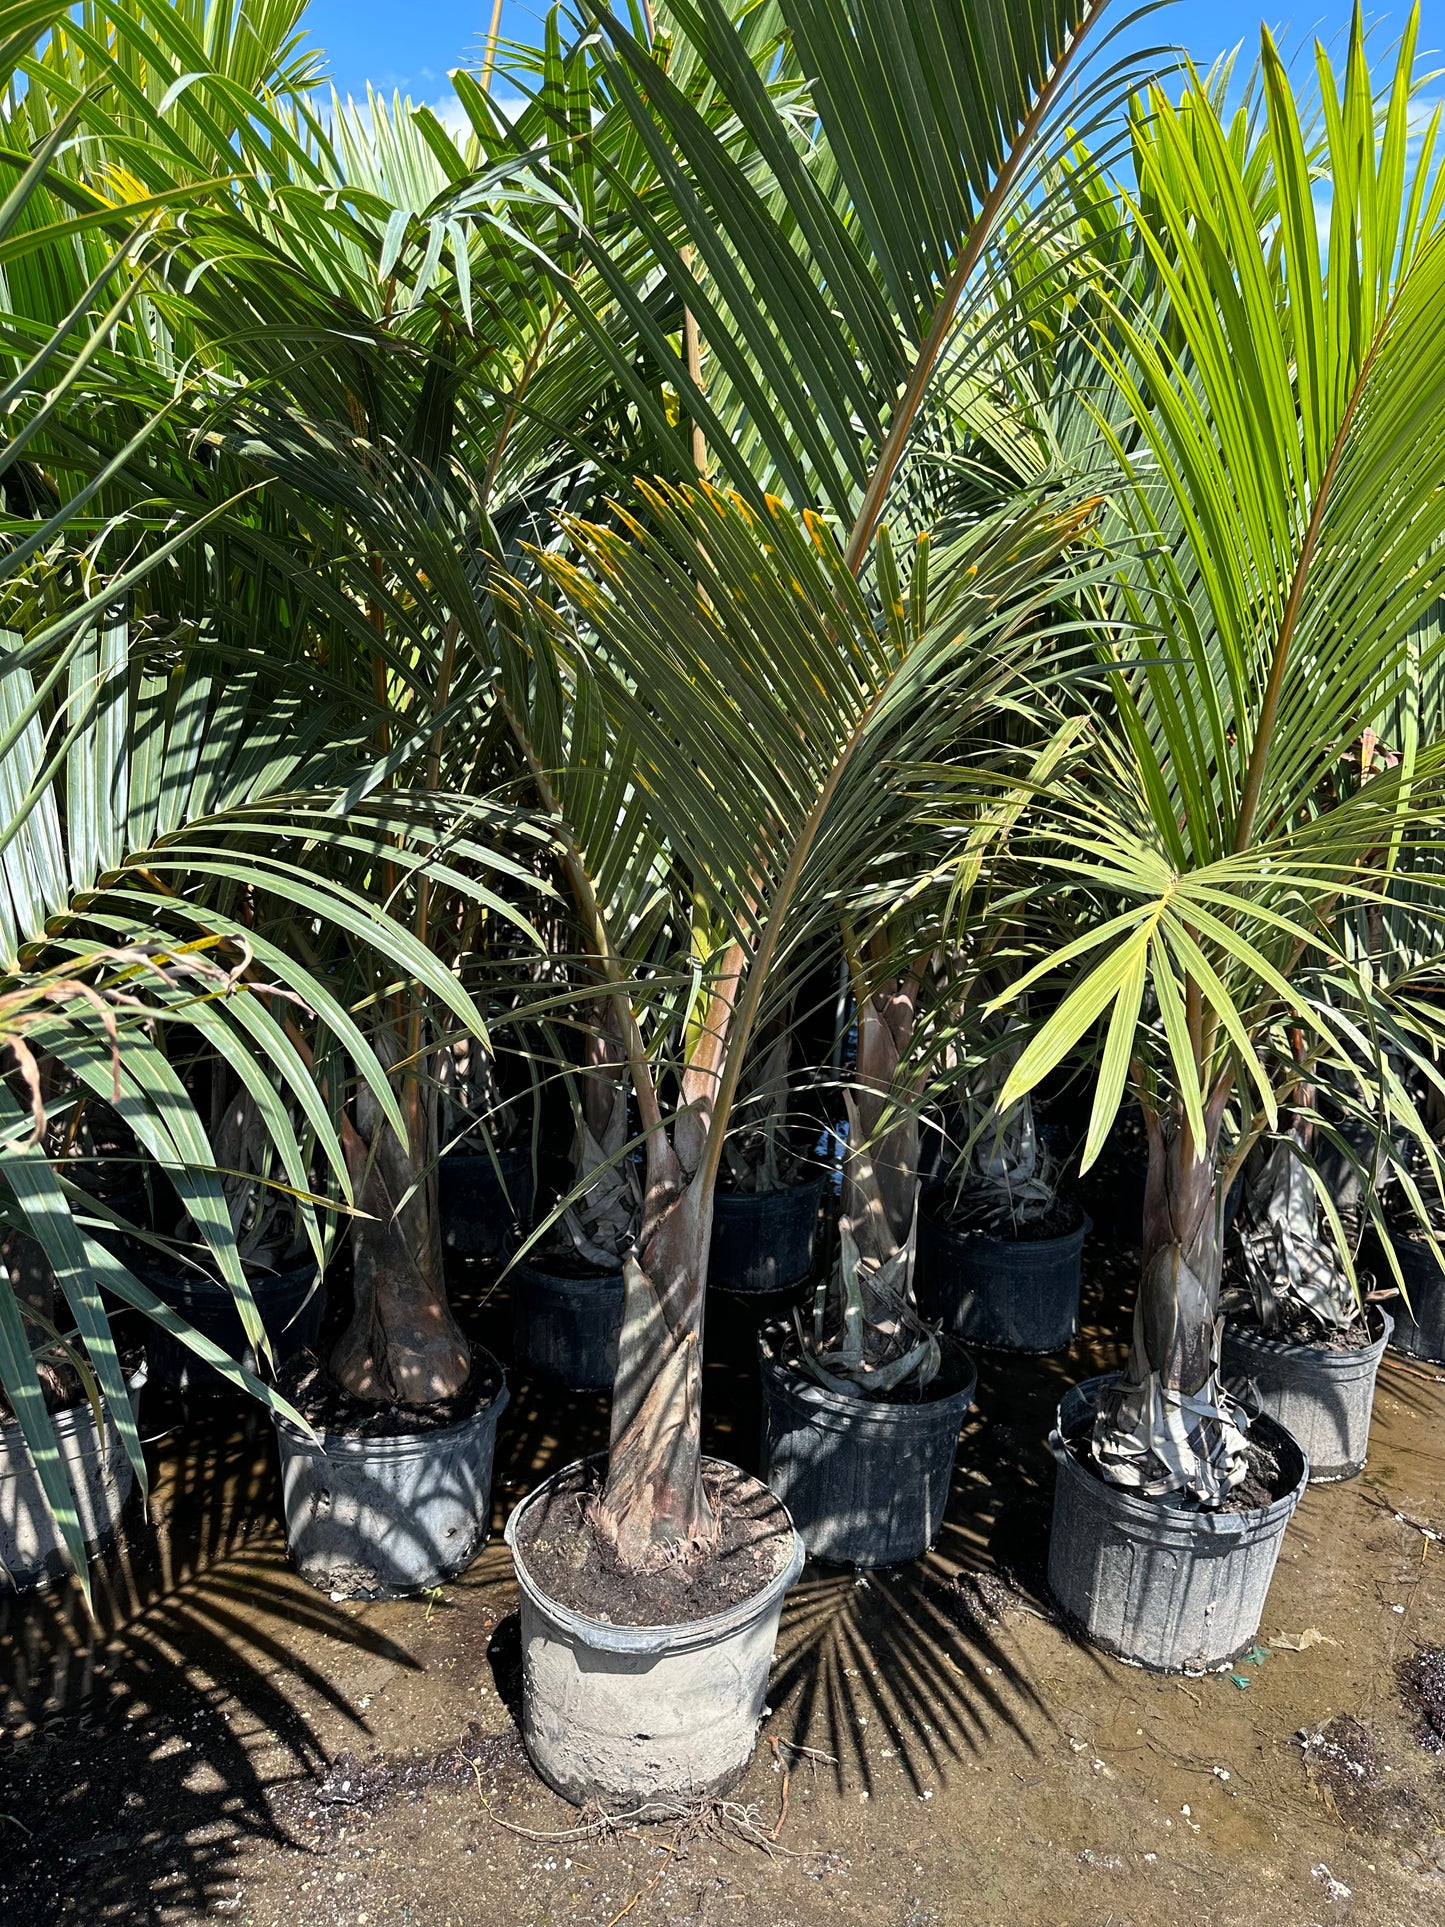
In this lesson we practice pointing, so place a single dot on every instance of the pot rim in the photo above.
(523, 1267)
(814, 1183)
(398, 1445)
(882, 1411)
(1247, 1338)
(69, 1419)
(1235, 1525)
(190, 1283)
(604, 1636)
(1080, 1231)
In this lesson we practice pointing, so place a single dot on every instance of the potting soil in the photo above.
(307, 1382)
(573, 1565)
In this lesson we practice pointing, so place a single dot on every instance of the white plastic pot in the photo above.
(381, 1518)
(625, 1715)
(101, 1478)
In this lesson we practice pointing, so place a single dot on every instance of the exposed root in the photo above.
(690, 1820)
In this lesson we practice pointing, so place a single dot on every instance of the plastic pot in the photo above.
(567, 1327)
(485, 1207)
(1323, 1398)
(128, 1199)
(865, 1480)
(101, 1478)
(763, 1240)
(380, 1518)
(1420, 1325)
(1160, 1586)
(1016, 1294)
(627, 1714)
(292, 1305)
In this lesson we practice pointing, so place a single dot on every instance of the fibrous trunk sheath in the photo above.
(403, 1344)
(654, 1509)
(1168, 1426)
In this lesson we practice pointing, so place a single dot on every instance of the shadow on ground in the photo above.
(227, 1742)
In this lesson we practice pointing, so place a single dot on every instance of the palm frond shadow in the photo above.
(147, 1747)
(1414, 1382)
(917, 1661)
(903, 1663)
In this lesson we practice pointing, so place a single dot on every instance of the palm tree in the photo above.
(1280, 512)
(184, 780)
(787, 675)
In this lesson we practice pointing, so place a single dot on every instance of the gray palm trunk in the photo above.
(1168, 1426)
(403, 1344)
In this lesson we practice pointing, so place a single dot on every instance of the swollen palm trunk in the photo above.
(1168, 1426)
(403, 1343)
(653, 1507)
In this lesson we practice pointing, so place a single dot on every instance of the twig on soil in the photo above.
(783, 1809)
(1415, 1525)
(805, 1752)
(667, 1853)
(590, 1829)
(1397, 1364)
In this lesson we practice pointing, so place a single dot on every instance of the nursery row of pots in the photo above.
(627, 1712)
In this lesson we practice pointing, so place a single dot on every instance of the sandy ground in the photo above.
(234, 1744)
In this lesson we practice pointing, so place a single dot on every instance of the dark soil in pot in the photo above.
(1320, 1389)
(566, 1321)
(573, 1567)
(866, 1480)
(62, 1389)
(764, 1240)
(485, 1203)
(394, 1498)
(292, 1304)
(1019, 1293)
(306, 1382)
(1168, 1586)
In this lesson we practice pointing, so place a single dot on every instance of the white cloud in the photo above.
(453, 116)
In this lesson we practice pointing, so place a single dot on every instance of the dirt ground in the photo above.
(938, 1750)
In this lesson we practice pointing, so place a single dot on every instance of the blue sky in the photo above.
(414, 44)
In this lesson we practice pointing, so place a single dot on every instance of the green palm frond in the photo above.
(1281, 517)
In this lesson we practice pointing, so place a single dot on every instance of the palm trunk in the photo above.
(868, 1338)
(653, 1508)
(1167, 1426)
(403, 1345)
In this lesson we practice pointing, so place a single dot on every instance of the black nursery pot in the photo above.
(1160, 1585)
(485, 1206)
(763, 1240)
(1420, 1325)
(1015, 1294)
(567, 1327)
(866, 1480)
(292, 1305)
(1323, 1398)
